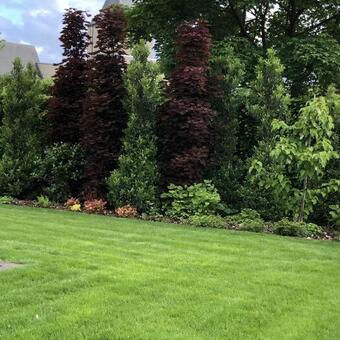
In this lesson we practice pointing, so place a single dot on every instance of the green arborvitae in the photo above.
(2, 87)
(267, 100)
(227, 72)
(135, 181)
(23, 103)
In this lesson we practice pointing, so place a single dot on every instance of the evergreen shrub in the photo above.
(247, 220)
(136, 179)
(206, 221)
(61, 171)
(297, 229)
(181, 202)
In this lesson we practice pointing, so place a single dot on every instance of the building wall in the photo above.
(93, 33)
(10, 51)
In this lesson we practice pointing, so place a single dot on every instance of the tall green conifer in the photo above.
(135, 181)
(23, 103)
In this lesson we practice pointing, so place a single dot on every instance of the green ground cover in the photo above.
(96, 277)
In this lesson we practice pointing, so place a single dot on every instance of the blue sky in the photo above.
(38, 22)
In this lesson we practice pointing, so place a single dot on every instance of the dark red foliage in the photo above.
(65, 105)
(104, 118)
(184, 133)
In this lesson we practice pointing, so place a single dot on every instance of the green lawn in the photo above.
(95, 277)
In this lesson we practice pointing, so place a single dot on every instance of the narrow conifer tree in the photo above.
(136, 179)
(23, 103)
(268, 100)
(104, 118)
(65, 106)
(184, 132)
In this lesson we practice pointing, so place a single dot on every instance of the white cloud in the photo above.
(93, 6)
(38, 23)
(39, 49)
(39, 12)
(24, 42)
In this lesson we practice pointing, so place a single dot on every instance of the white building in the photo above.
(93, 31)
(27, 54)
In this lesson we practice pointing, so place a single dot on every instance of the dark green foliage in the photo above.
(227, 73)
(253, 25)
(321, 214)
(2, 87)
(136, 179)
(160, 18)
(245, 214)
(267, 99)
(311, 63)
(104, 117)
(300, 155)
(24, 101)
(44, 202)
(60, 171)
(182, 202)
(297, 229)
(206, 221)
(335, 215)
(253, 226)
(247, 220)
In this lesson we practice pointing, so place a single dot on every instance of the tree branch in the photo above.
(313, 27)
(243, 29)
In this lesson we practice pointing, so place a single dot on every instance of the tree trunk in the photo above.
(303, 201)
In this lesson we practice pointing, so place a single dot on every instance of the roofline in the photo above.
(17, 44)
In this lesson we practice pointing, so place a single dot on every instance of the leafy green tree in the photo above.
(136, 179)
(262, 23)
(60, 171)
(304, 32)
(227, 71)
(321, 214)
(24, 102)
(159, 19)
(268, 97)
(311, 63)
(2, 86)
(302, 153)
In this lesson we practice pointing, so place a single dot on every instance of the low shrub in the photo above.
(6, 200)
(181, 202)
(245, 215)
(97, 206)
(61, 171)
(247, 220)
(75, 208)
(71, 202)
(206, 221)
(335, 215)
(256, 226)
(297, 229)
(44, 202)
(126, 211)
